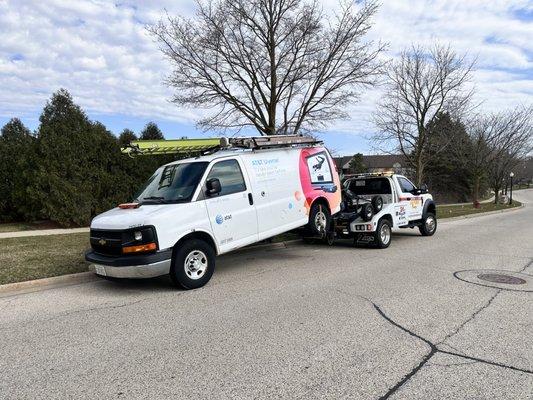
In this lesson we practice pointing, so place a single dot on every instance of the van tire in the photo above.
(193, 264)
(429, 225)
(318, 217)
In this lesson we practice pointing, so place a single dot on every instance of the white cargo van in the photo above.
(236, 193)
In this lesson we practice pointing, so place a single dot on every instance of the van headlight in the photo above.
(139, 240)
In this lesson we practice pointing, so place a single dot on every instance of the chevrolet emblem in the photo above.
(102, 242)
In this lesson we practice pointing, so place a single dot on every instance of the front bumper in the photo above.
(135, 266)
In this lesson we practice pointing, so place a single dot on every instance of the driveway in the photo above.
(306, 322)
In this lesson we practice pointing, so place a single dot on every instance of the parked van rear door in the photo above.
(231, 212)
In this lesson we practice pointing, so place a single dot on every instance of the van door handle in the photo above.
(250, 199)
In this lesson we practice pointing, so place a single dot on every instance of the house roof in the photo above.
(375, 161)
(384, 161)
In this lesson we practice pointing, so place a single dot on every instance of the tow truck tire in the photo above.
(367, 212)
(383, 234)
(429, 225)
(319, 220)
(377, 203)
(193, 264)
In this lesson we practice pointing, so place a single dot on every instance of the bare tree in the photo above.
(421, 84)
(281, 66)
(512, 133)
(499, 142)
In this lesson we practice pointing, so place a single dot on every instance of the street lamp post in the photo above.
(511, 175)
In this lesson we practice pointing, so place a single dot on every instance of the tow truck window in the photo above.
(406, 185)
(173, 183)
(230, 176)
(370, 186)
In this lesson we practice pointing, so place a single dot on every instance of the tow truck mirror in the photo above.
(424, 188)
(213, 186)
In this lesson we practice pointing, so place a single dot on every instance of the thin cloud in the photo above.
(100, 52)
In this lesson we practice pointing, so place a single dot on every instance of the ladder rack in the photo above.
(190, 147)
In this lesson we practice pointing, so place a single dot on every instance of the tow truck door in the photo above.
(412, 203)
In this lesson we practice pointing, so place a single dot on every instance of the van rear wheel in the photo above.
(193, 264)
(319, 220)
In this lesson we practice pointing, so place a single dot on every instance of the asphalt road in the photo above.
(305, 322)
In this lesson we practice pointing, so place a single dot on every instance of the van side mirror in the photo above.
(213, 186)
(424, 188)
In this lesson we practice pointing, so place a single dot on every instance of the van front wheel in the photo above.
(193, 264)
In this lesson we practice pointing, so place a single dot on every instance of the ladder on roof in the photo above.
(190, 147)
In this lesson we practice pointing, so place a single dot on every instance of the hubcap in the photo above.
(195, 264)
(320, 221)
(385, 234)
(430, 224)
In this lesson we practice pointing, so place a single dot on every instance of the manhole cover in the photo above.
(496, 278)
(502, 278)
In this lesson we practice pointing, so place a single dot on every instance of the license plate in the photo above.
(100, 270)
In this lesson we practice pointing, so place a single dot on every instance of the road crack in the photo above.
(434, 349)
(470, 319)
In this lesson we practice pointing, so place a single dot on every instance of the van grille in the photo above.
(107, 243)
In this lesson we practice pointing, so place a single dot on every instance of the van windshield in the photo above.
(174, 183)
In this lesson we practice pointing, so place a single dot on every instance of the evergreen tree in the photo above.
(357, 165)
(151, 132)
(67, 173)
(17, 146)
(126, 137)
(447, 174)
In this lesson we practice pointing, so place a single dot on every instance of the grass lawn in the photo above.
(35, 257)
(27, 226)
(456, 211)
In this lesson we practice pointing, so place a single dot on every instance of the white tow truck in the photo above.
(374, 203)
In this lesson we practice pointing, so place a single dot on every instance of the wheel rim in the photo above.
(385, 234)
(430, 224)
(320, 221)
(195, 264)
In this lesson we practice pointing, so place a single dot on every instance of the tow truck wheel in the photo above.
(193, 264)
(319, 220)
(383, 234)
(429, 225)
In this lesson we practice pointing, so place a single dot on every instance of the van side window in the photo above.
(230, 175)
(406, 185)
(319, 169)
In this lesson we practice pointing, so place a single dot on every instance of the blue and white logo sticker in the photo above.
(219, 219)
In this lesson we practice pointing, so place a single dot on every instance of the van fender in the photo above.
(429, 206)
(199, 234)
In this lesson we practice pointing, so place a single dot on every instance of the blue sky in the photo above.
(101, 53)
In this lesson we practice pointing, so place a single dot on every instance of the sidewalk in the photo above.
(490, 200)
(42, 232)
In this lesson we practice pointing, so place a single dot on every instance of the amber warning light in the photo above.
(126, 206)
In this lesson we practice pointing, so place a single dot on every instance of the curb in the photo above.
(35, 285)
(11, 289)
(481, 214)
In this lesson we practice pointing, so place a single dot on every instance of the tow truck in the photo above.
(375, 203)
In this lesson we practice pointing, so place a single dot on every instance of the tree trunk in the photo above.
(476, 189)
